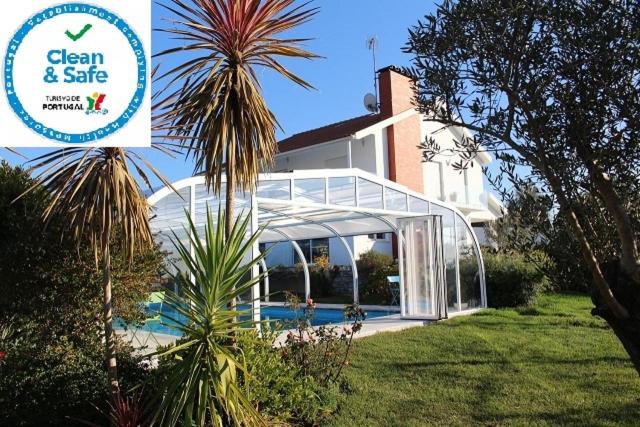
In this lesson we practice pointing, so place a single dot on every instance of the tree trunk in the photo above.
(627, 330)
(230, 196)
(622, 220)
(110, 339)
(612, 286)
(617, 309)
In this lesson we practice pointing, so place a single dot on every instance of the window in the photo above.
(280, 189)
(369, 194)
(319, 247)
(310, 190)
(378, 236)
(342, 191)
(312, 249)
(395, 200)
(434, 180)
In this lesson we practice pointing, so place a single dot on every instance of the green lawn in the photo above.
(554, 364)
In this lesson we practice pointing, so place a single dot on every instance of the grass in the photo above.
(552, 364)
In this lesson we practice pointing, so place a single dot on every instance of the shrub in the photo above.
(277, 387)
(372, 260)
(322, 275)
(373, 269)
(45, 280)
(46, 383)
(52, 357)
(322, 352)
(511, 279)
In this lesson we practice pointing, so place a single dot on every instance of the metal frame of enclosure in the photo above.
(441, 268)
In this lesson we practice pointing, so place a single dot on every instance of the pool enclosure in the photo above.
(439, 259)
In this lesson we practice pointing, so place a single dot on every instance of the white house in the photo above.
(386, 144)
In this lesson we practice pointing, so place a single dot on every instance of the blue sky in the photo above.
(341, 78)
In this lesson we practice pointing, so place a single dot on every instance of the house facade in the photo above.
(386, 144)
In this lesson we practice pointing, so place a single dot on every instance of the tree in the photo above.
(212, 102)
(552, 88)
(96, 193)
(50, 295)
(48, 281)
(532, 227)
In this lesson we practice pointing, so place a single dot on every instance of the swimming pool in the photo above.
(323, 316)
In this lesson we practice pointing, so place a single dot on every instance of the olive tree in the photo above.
(552, 88)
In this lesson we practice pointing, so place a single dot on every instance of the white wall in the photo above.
(368, 154)
(332, 156)
(433, 175)
(363, 152)
(465, 189)
(364, 244)
(453, 181)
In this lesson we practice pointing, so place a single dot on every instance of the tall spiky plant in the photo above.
(212, 101)
(202, 387)
(96, 191)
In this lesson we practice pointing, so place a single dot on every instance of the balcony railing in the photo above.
(468, 198)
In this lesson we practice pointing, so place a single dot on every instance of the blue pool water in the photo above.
(323, 316)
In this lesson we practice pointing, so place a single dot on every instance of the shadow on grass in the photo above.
(526, 322)
(527, 361)
(617, 414)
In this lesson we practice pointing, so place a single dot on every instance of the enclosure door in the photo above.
(422, 268)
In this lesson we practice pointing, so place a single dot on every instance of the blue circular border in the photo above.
(102, 132)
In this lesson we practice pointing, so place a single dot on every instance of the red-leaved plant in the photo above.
(123, 411)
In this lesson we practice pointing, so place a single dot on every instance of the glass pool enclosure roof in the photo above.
(325, 203)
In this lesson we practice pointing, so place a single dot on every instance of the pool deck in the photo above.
(147, 342)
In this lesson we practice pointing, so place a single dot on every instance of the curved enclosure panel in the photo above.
(469, 266)
(450, 250)
(464, 271)
(325, 211)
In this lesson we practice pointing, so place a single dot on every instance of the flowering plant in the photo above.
(322, 352)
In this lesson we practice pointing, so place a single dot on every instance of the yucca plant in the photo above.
(212, 101)
(96, 190)
(202, 387)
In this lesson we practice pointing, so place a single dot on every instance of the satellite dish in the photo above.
(371, 103)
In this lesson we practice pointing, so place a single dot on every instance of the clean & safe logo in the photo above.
(75, 73)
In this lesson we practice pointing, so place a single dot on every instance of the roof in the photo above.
(303, 204)
(327, 133)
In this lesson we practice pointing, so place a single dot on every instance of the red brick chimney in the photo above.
(405, 159)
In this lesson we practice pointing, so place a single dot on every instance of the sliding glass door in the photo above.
(422, 268)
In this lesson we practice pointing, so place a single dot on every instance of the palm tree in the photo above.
(96, 191)
(212, 101)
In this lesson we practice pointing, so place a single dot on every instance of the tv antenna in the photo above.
(371, 100)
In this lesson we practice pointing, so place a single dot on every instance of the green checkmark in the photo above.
(76, 37)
